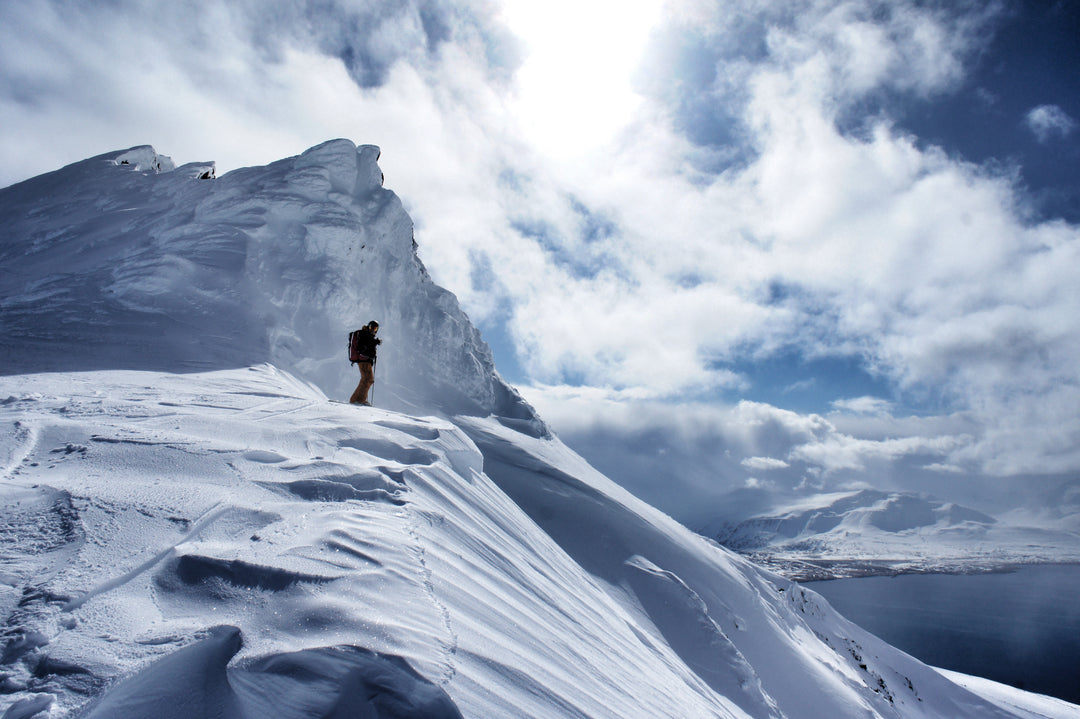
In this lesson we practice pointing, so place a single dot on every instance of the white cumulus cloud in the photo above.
(646, 267)
(764, 463)
(1049, 122)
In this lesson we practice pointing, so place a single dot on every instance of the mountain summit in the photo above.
(190, 528)
(124, 261)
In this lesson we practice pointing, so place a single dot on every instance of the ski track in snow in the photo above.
(450, 643)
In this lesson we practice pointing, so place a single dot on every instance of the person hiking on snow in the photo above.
(366, 345)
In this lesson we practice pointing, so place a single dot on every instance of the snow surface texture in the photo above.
(845, 534)
(234, 544)
(161, 526)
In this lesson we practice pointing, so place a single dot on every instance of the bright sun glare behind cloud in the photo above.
(574, 90)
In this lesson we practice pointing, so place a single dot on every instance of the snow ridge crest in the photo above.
(166, 272)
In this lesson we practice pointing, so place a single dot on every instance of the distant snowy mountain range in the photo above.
(845, 534)
(190, 527)
(810, 521)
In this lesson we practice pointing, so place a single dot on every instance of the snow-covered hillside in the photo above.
(232, 543)
(843, 534)
(158, 526)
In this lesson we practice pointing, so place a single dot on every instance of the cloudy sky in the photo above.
(721, 245)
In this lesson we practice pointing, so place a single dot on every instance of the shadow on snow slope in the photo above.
(324, 683)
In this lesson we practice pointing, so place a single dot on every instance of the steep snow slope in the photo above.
(120, 261)
(162, 525)
(865, 532)
(231, 543)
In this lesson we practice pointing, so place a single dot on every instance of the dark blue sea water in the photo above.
(1020, 628)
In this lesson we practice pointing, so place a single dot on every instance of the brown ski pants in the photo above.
(367, 378)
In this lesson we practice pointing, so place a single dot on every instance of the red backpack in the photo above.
(354, 347)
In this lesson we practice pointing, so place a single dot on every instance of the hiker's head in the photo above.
(373, 326)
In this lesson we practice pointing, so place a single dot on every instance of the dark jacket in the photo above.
(367, 343)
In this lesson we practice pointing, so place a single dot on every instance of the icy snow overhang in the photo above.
(271, 264)
(145, 159)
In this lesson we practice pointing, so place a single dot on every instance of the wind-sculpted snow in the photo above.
(327, 682)
(124, 262)
(178, 542)
(233, 544)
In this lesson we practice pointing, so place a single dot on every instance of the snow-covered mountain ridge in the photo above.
(122, 262)
(231, 543)
(234, 541)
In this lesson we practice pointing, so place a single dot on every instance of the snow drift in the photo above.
(190, 527)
